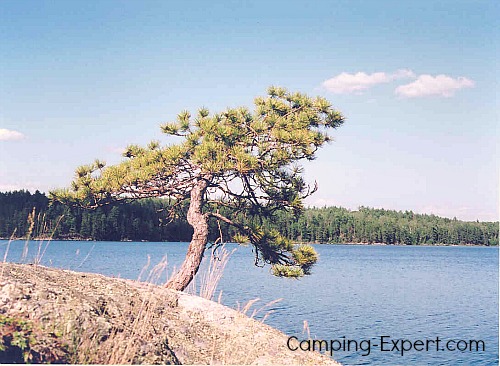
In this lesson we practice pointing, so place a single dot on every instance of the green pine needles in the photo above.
(240, 162)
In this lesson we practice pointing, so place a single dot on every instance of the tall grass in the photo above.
(36, 224)
(207, 279)
(44, 238)
(244, 309)
(121, 346)
(7, 251)
(38, 229)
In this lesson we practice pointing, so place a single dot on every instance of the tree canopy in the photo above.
(240, 162)
(141, 221)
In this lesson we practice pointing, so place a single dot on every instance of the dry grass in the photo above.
(44, 238)
(226, 346)
(306, 330)
(206, 281)
(95, 345)
(244, 309)
(122, 346)
(38, 224)
(7, 251)
(38, 229)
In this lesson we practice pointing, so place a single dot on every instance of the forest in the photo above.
(23, 213)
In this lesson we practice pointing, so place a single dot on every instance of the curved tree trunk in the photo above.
(196, 248)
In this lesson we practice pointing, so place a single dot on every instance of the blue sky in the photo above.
(417, 81)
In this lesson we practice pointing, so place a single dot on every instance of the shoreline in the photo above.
(299, 243)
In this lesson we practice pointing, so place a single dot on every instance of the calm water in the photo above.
(358, 293)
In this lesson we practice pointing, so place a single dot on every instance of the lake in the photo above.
(373, 297)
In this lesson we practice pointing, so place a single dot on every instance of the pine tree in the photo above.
(242, 161)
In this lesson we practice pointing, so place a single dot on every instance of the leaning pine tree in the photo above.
(230, 165)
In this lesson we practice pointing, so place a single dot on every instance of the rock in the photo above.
(71, 317)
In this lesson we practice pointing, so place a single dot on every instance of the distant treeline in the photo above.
(145, 220)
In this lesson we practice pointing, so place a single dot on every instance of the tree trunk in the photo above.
(196, 248)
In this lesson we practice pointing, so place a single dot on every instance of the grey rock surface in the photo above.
(115, 321)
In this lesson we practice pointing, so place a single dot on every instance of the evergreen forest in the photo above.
(23, 213)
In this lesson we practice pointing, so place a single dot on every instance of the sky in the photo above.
(416, 80)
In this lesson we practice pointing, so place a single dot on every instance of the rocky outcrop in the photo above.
(59, 316)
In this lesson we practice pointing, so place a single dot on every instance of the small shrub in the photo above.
(22, 342)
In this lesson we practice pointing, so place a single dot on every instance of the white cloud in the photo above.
(6, 135)
(360, 81)
(441, 85)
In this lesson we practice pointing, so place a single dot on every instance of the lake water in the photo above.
(356, 293)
